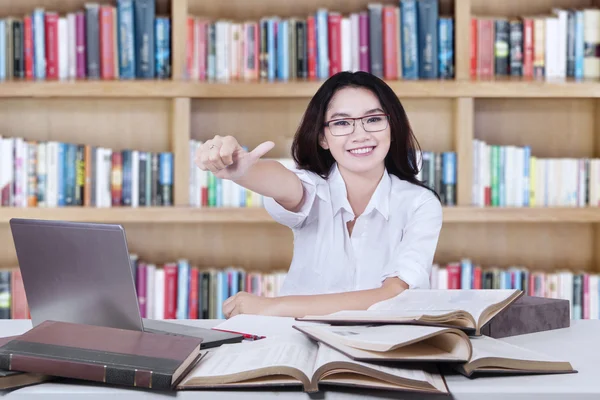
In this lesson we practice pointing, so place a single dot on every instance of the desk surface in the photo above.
(579, 344)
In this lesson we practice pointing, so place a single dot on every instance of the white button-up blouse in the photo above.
(396, 236)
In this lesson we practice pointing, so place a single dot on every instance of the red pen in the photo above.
(246, 335)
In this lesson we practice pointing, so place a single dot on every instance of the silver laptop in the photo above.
(81, 273)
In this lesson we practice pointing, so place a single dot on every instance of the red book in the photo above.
(28, 46)
(335, 43)
(477, 277)
(485, 48)
(474, 73)
(170, 291)
(311, 46)
(51, 19)
(390, 43)
(107, 51)
(528, 47)
(454, 272)
(193, 299)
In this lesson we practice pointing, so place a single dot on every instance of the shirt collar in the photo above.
(379, 201)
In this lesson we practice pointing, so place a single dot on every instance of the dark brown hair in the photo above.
(401, 158)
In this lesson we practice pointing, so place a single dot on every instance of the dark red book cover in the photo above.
(473, 69)
(311, 46)
(170, 291)
(528, 41)
(454, 271)
(102, 354)
(335, 43)
(28, 46)
(80, 44)
(51, 34)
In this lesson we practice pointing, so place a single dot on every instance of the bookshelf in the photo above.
(556, 118)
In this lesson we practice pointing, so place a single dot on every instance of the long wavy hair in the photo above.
(401, 159)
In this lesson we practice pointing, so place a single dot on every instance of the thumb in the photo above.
(261, 150)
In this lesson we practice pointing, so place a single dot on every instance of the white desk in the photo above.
(579, 344)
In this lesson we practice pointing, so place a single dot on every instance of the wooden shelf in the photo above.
(294, 89)
(187, 215)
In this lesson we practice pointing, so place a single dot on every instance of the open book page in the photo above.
(414, 376)
(441, 301)
(252, 359)
(375, 337)
(394, 342)
(487, 347)
(260, 325)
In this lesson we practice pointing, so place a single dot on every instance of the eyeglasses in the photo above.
(370, 123)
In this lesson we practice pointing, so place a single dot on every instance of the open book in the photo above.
(498, 357)
(400, 343)
(467, 309)
(296, 360)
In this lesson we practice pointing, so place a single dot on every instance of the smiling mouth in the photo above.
(362, 151)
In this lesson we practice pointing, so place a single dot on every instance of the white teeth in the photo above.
(361, 150)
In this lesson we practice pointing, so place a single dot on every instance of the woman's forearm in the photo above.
(271, 179)
(300, 306)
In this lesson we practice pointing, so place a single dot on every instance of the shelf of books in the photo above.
(181, 290)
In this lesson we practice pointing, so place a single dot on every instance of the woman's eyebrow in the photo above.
(342, 114)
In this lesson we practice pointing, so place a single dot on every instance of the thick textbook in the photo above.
(467, 309)
(395, 344)
(101, 354)
(296, 360)
(398, 343)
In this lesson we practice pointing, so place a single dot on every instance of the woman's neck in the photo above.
(360, 187)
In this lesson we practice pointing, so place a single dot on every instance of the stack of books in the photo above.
(405, 343)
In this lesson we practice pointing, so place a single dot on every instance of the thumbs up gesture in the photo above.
(226, 159)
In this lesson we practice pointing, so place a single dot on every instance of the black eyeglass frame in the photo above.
(387, 116)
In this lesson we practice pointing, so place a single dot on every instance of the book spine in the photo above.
(516, 48)
(39, 49)
(363, 42)
(322, 40)
(80, 368)
(501, 49)
(144, 14)
(18, 53)
(446, 48)
(390, 42)
(301, 68)
(28, 50)
(126, 35)
(163, 48)
(528, 50)
(427, 16)
(474, 50)
(376, 39)
(311, 46)
(92, 40)
(334, 42)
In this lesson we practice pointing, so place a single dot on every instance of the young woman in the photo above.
(365, 228)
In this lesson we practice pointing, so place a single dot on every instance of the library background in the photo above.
(102, 105)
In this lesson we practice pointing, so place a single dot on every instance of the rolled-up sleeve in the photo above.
(413, 257)
(294, 219)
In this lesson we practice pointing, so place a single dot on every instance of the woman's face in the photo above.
(361, 148)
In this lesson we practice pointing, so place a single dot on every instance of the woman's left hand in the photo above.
(247, 303)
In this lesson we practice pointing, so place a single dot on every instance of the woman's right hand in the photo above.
(226, 159)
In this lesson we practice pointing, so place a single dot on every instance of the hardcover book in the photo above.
(296, 360)
(101, 354)
(461, 308)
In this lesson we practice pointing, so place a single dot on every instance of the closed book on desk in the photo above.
(529, 314)
(16, 379)
(95, 353)
(466, 309)
(296, 360)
